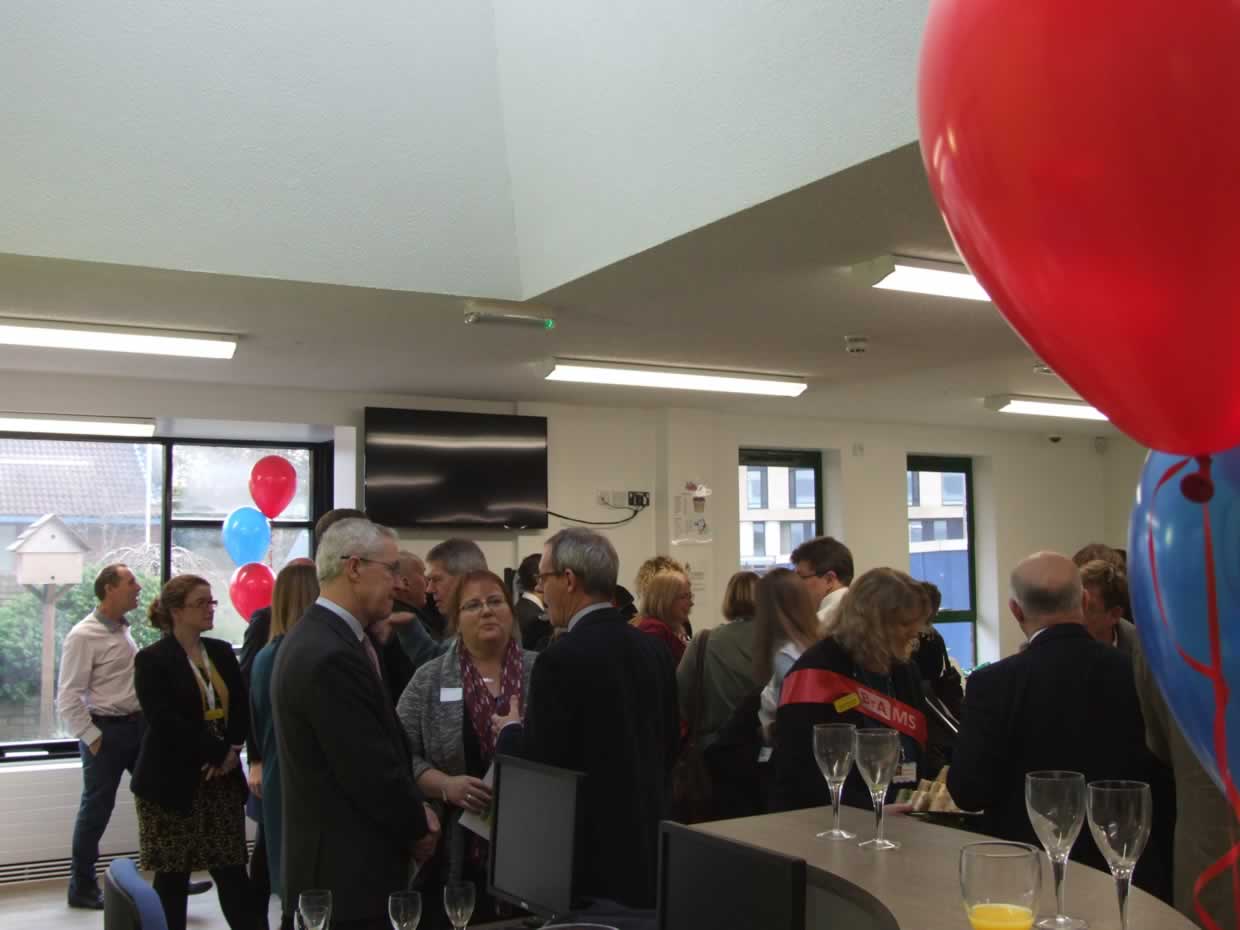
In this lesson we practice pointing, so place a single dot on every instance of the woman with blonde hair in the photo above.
(786, 624)
(859, 674)
(665, 611)
(297, 587)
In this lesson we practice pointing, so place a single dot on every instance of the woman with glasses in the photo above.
(666, 605)
(188, 787)
(297, 587)
(447, 709)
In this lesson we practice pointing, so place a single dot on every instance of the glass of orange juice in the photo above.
(1000, 883)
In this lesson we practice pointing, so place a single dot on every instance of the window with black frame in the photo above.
(940, 542)
(159, 507)
(780, 504)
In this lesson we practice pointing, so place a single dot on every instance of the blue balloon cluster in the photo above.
(1184, 580)
(246, 535)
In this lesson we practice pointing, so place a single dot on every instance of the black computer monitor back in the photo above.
(708, 881)
(534, 835)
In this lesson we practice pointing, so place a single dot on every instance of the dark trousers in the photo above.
(233, 886)
(260, 880)
(101, 776)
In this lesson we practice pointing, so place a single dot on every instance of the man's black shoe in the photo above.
(197, 887)
(91, 899)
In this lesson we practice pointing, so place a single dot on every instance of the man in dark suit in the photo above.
(1066, 702)
(353, 817)
(602, 701)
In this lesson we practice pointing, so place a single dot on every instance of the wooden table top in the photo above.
(919, 884)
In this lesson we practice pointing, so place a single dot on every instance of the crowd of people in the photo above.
(374, 693)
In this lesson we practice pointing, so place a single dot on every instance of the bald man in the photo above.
(1066, 702)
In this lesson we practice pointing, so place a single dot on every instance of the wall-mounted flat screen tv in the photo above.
(433, 468)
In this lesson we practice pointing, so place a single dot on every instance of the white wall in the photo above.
(701, 107)
(1031, 494)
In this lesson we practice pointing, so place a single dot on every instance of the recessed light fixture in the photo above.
(45, 334)
(131, 427)
(683, 379)
(920, 276)
(1044, 407)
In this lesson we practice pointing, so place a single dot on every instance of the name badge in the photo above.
(846, 703)
(449, 695)
(906, 774)
(215, 713)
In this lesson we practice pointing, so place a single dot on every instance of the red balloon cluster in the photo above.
(1084, 157)
(273, 482)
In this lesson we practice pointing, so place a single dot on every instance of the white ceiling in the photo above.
(763, 290)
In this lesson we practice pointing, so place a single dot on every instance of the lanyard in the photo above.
(207, 687)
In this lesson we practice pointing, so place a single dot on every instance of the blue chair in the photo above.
(129, 903)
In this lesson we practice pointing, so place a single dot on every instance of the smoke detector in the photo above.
(1041, 368)
(856, 345)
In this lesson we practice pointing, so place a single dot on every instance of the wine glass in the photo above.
(404, 910)
(1000, 883)
(834, 745)
(458, 901)
(878, 754)
(1056, 805)
(1119, 815)
(315, 908)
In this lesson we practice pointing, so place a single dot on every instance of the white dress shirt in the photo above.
(96, 675)
(828, 608)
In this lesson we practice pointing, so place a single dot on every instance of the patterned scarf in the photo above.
(479, 703)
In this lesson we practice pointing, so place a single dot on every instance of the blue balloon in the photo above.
(246, 535)
(1184, 580)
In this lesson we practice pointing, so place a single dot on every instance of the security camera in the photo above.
(1055, 438)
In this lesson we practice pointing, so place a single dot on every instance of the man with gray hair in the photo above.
(446, 564)
(357, 817)
(1067, 703)
(602, 701)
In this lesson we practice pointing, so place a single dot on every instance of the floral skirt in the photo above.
(210, 836)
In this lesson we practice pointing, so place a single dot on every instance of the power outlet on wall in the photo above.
(639, 499)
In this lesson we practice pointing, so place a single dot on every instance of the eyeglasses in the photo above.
(392, 567)
(199, 604)
(543, 576)
(813, 575)
(494, 603)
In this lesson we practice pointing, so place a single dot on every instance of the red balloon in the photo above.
(273, 482)
(250, 588)
(1084, 156)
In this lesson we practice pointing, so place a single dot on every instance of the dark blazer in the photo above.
(603, 701)
(177, 743)
(351, 810)
(530, 618)
(257, 632)
(1066, 702)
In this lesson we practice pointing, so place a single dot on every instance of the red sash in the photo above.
(818, 686)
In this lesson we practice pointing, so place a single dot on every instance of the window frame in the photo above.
(764, 487)
(752, 457)
(15, 752)
(960, 465)
(795, 499)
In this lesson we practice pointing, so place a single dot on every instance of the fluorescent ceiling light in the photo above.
(683, 379)
(50, 335)
(939, 279)
(1044, 407)
(131, 427)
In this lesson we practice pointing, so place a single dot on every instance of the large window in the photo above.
(940, 542)
(70, 506)
(781, 504)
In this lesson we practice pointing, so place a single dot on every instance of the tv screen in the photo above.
(432, 468)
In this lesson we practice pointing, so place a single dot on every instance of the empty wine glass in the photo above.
(834, 745)
(405, 910)
(878, 754)
(1056, 805)
(315, 908)
(1119, 815)
(458, 901)
(1000, 883)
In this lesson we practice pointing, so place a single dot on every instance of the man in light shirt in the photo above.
(825, 567)
(98, 705)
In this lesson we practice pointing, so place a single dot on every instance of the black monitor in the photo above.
(709, 881)
(534, 835)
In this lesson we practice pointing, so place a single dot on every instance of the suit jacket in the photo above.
(177, 742)
(603, 701)
(257, 632)
(351, 810)
(1066, 702)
